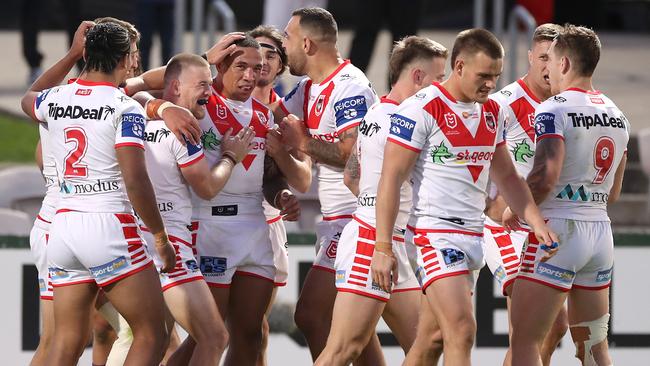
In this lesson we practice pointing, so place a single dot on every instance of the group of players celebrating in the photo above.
(417, 189)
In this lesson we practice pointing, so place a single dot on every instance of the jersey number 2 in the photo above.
(73, 165)
(603, 158)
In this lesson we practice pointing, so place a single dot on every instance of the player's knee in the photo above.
(214, 338)
(588, 334)
(304, 318)
(462, 333)
(435, 341)
(559, 329)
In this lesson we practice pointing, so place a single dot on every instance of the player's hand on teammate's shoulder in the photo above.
(510, 220)
(223, 48)
(182, 123)
(289, 205)
(294, 133)
(165, 251)
(79, 39)
(237, 146)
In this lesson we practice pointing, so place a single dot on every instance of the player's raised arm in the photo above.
(55, 74)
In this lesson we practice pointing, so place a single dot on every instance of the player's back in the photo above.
(595, 133)
(87, 121)
(371, 141)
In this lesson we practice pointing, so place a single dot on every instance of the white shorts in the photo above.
(503, 252)
(95, 247)
(443, 254)
(278, 236)
(38, 238)
(186, 269)
(328, 233)
(229, 247)
(354, 257)
(584, 259)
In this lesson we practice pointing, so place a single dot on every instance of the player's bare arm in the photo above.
(547, 167)
(207, 181)
(38, 155)
(293, 164)
(615, 192)
(55, 74)
(294, 134)
(277, 193)
(142, 197)
(516, 193)
(398, 164)
(352, 172)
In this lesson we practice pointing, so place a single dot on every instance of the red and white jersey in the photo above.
(244, 188)
(165, 155)
(596, 134)
(338, 103)
(87, 121)
(519, 103)
(456, 143)
(48, 208)
(371, 141)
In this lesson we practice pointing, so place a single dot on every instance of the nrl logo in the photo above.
(320, 105)
(490, 122)
(450, 120)
(222, 112)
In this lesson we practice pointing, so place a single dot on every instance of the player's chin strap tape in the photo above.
(588, 334)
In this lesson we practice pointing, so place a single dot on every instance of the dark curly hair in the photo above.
(106, 44)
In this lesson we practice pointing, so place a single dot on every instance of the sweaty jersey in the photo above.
(456, 143)
(242, 194)
(52, 187)
(87, 121)
(596, 133)
(336, 104)
(165, 155)
(371, 141)
(519, 103)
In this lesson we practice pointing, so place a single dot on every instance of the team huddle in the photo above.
(167, 193)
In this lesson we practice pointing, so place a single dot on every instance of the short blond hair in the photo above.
(410, 49)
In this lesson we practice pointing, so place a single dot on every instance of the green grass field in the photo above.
(18, 139)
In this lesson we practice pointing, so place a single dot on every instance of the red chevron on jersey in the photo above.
(223, 120)
(456, 132)
(316, 112)
(524, 111)
(454, 129)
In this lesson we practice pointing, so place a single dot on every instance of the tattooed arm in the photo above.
(352, 172)
(547, 166)
(294, 134)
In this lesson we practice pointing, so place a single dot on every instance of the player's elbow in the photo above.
(26, 103)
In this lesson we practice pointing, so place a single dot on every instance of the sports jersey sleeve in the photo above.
(294, 101)
(187, 154)
(502, 125)
(549, 121)
(351, 105)
(40, 107)
(129, 128)
(409, 127)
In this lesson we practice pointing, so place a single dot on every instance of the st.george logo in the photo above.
(490, 121)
